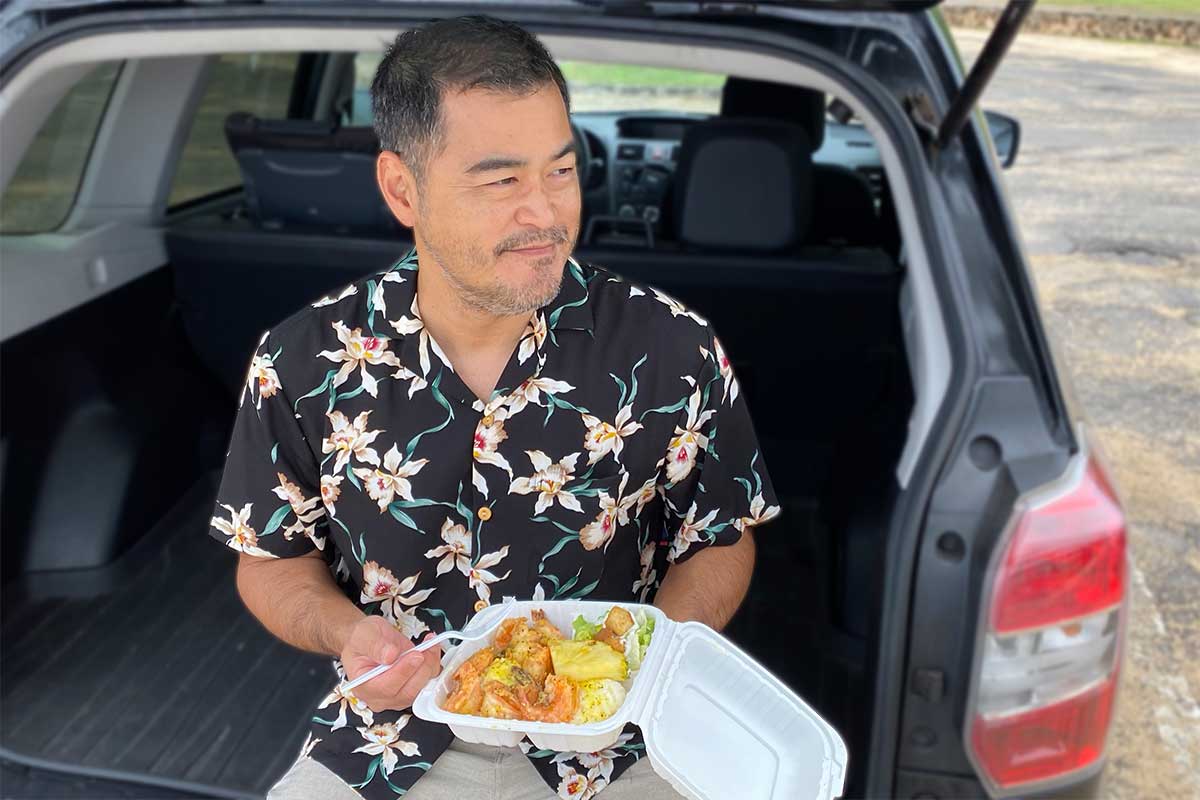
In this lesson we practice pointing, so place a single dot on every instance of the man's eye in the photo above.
(563, 171)
(503, 182)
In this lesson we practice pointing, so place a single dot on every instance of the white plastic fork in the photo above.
(463, 638)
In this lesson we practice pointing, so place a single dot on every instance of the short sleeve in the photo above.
(269, 501)
(716, 483)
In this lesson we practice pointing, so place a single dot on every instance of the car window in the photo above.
(260, 83)
(629, 87)
(42, 190)
(360, 112)
(593, 86)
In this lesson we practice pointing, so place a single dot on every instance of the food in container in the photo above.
(531, 671)
(701, 702)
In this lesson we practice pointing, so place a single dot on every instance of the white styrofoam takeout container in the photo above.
(717, 724)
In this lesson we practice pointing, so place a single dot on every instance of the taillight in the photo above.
(1047, 669)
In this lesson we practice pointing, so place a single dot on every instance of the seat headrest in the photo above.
(306, 173)
(244, 131)
(745, 97)
(744, 185)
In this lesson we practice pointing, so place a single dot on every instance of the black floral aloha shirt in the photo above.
(616, 444)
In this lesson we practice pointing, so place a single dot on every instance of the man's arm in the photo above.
(710, 585)
(297, 600)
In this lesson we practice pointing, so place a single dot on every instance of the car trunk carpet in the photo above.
(164, 674)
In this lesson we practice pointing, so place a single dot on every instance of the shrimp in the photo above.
(556, 703)
(503, 702)
(534, 659)
(468, 690)
(544, 627)
(510, 629)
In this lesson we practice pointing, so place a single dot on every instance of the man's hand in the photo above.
(297, 600)
(373, 641)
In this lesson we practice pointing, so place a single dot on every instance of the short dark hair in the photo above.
(456, 54)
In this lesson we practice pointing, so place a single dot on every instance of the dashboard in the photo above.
(634, 156)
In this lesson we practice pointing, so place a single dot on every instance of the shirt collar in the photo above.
(395, 291)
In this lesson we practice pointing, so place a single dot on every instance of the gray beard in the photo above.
(497, 299)
(503, 301)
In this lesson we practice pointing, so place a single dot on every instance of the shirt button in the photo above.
(488, 420)
(485, 513)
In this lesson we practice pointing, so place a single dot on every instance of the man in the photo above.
(487, 418)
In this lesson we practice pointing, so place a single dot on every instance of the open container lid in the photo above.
(718, 725)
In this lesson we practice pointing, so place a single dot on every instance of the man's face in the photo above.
(499, 201)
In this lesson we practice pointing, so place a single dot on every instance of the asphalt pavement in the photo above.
(1106, 190)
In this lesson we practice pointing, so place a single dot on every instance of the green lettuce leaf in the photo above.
(584, 629)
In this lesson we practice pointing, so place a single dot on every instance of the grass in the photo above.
(1134, 6)
(586, 74)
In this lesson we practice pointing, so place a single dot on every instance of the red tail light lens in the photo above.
(1046, 742)
(1066, 559)
(1047, 672)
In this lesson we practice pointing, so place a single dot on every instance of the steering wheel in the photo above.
(583, 159)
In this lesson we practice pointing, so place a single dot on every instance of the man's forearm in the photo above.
(710, 585)
(297, 600)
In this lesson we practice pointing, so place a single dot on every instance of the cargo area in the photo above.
(122, 639)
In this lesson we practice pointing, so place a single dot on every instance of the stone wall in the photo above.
(1094, 24)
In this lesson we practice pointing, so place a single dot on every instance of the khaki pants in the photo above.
(470, 771)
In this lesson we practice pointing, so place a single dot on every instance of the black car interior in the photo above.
(797, 264)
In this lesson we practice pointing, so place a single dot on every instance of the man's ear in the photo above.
(398, 186)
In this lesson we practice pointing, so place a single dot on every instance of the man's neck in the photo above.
(477, 343)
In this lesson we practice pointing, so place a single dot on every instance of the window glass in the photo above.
(594, 87)
(260, 83)
(365, 65)
(42, 190)
(628, 87)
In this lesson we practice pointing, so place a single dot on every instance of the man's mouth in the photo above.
(536, 250)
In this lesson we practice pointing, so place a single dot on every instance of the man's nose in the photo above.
(536, 208)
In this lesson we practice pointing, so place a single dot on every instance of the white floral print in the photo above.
(407, 326)
(487, 441)
(534, 338)
(760, 513)
(456, 552)
(614, 512)
(548, 481)
(688, 440)
(690, 532)
(383, 485)
(381, 586)
(603, 438)
(308, 511)
(529, 393)
(241, 536)
(350, 439)
(384, 739)
(359, 352)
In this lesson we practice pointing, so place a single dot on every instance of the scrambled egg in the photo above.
(506, 671)
(598, 700)
(587, 660)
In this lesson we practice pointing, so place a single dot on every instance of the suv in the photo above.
(947, 585)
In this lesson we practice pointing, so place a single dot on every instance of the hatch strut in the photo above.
(982, 70)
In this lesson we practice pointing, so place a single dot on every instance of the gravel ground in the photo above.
(1106, 189)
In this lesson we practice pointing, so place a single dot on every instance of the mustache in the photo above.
(519, 241)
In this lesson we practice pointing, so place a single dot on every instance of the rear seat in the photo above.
(740, 231)
(309, 173)
(314, 222)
